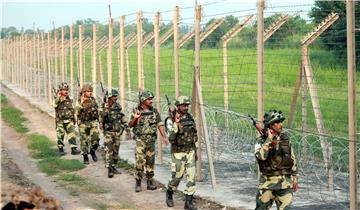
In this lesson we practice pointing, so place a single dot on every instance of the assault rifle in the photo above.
(172, 109)
(261, 130)
(105, 93)
(79, 89)
(55, 92)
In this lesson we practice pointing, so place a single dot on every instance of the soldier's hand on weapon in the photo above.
(166, 140)
(295, 187)
(106, 106)
(82, 99)
(177, 118)
(137, 116)
(128, 135)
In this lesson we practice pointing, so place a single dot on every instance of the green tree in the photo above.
(213, 40)
(289, 34)
(334, 38)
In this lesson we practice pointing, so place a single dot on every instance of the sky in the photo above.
(44, 13)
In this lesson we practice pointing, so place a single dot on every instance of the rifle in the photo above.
(104, 92)
(261, 130)
(79, 89)
(172, 109)
(55, 92)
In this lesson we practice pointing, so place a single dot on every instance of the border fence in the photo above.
(301, 61)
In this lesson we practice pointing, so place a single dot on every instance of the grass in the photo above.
(82, 183)
(55, 165)
(42, 147)
(13, 116)
(124, 164)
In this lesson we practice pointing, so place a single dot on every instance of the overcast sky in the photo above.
(42, 13)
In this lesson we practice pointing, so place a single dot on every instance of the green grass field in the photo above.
(281, 69)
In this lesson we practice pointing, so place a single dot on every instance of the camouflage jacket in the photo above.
(183, 137)
(276, 162)
(64, 110)
(149, 121)
(113, 120)
(88, 110)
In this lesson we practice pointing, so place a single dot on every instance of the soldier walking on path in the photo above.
(145, 120)
(183, 138)
(276, 159)
(113, 124)
(88, 122)
(65, 119)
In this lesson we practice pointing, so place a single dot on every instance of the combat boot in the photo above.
(150, 185)
(189, 203)
(61, 151)
(86, 159)
(110, 172)
(93, 155)
(114, 170)
(74, 151)
(138, 185)
(169, 198)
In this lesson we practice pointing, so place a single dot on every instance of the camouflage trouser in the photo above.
(145, 156)
(89, 136)
(183, 162)
(112, 145)
(69, 129)
(274, 188)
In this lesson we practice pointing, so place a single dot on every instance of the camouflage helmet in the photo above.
(273, 116)
(64, 86)
(87, 87)
(182, 100)
(145, 95)
(114, 93)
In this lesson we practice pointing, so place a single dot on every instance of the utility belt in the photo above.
(184, 148)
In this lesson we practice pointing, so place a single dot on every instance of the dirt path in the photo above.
(120, 188)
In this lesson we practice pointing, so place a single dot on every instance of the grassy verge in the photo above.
(12, 116)
(125, 164)
(82, 183)
(44, 149)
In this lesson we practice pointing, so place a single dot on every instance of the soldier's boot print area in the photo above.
(61, 151)
(114, 170)
(150, 185)
(93, 155)
(169, 198)
(138, 185)
(75, 151)
(189, 203)
(86, 159)
(110, 173)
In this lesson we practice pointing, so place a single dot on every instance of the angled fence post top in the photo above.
(275, 26)
(326, 23)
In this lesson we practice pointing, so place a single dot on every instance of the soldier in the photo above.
(113, 123)
(276, 159)
(183, 137)
(65, 119)
(88, 118)
(145, 120)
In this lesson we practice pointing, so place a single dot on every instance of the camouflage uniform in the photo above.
(183, 140)
(88, 117)
(145, 136)
(65, 118)
(114, 123)
(277, 165)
